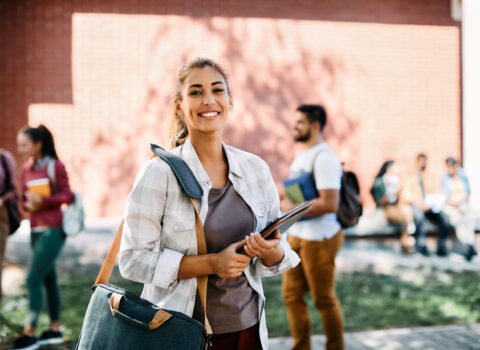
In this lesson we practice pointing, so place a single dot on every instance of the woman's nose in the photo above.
(208, 99)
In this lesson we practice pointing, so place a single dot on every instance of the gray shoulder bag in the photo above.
(117, 319)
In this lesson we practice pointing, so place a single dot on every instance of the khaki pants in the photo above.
(4, 227)
(315, 273)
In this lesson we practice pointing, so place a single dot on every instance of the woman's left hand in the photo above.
(269, 251)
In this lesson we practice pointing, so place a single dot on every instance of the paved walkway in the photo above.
(424, 338)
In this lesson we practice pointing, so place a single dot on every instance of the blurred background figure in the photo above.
(386, 193)
(42, 197)
(7, 193)
(456, 188)
(318, 240)
(421, 193)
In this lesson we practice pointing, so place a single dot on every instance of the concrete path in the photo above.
(424, 338)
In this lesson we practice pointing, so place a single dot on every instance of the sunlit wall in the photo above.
(391, 90)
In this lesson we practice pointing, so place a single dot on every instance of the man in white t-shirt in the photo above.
(316, 240)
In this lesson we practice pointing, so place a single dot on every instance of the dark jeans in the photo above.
(46, 247)
(439, 219)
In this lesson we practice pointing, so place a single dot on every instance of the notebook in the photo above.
(301, 188)
(40, 187)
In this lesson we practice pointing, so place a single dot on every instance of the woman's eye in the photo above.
(195, 93)
(218, 90)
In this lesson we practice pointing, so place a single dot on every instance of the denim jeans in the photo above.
(439, 219)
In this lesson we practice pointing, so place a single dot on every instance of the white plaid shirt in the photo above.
(159, 227)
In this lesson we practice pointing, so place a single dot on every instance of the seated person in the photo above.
(420, 193)
(456, 188)
(385, 191)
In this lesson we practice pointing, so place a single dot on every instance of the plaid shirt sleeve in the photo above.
(140, 257)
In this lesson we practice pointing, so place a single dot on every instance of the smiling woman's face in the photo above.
(205, 103)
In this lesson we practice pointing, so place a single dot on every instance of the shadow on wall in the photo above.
(273, 86)
(268, 80)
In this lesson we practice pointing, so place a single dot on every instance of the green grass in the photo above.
(378, 301)
(369, 301)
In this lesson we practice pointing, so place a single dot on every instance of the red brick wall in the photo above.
(100, 74)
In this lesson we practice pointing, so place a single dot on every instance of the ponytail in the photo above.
(178, 129)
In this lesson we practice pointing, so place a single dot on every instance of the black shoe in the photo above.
(442, 251)
(25, 342)
(470, 252)
(50, 338)
(422, 250)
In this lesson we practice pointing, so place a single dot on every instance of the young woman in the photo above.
(41, 199)
(386, 193)
(159, 242)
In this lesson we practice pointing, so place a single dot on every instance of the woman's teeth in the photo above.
(209, 115)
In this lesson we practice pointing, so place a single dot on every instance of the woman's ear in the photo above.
(230, 104)
(178, 109)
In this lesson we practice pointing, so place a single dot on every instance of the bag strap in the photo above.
(182, 171)
(109, 263)
(314, 159)
(7, 172)
(51, 174)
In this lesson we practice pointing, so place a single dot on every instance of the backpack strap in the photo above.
(51, 174)
(7, 173)
(313, 169)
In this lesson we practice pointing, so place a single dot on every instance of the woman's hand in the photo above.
(228, 263)
(34, 201)
(269, 251)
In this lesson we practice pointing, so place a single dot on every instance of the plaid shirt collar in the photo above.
(188, 153)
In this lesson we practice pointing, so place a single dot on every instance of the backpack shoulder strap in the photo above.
(51, 174)
(8, 175)
(5, 169)
(314, 159)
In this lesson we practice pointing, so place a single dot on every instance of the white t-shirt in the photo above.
(328, 173)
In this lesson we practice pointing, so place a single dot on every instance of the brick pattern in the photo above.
(100, 75)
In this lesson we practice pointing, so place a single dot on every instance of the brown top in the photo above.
(232, 304)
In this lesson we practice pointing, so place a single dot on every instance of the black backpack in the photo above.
(350, 208)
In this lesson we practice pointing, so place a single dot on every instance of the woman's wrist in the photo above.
(212, 263)
(275, 258)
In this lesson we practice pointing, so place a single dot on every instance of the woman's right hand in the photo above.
(228, 263)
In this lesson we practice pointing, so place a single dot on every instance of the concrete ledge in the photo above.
(374, 225)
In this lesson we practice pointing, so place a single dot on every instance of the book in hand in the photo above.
(283, 222)
(40, 187)
(301, 188)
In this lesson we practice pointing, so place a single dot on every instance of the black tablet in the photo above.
(285, 220)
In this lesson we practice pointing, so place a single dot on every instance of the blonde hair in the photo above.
(178, 129)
